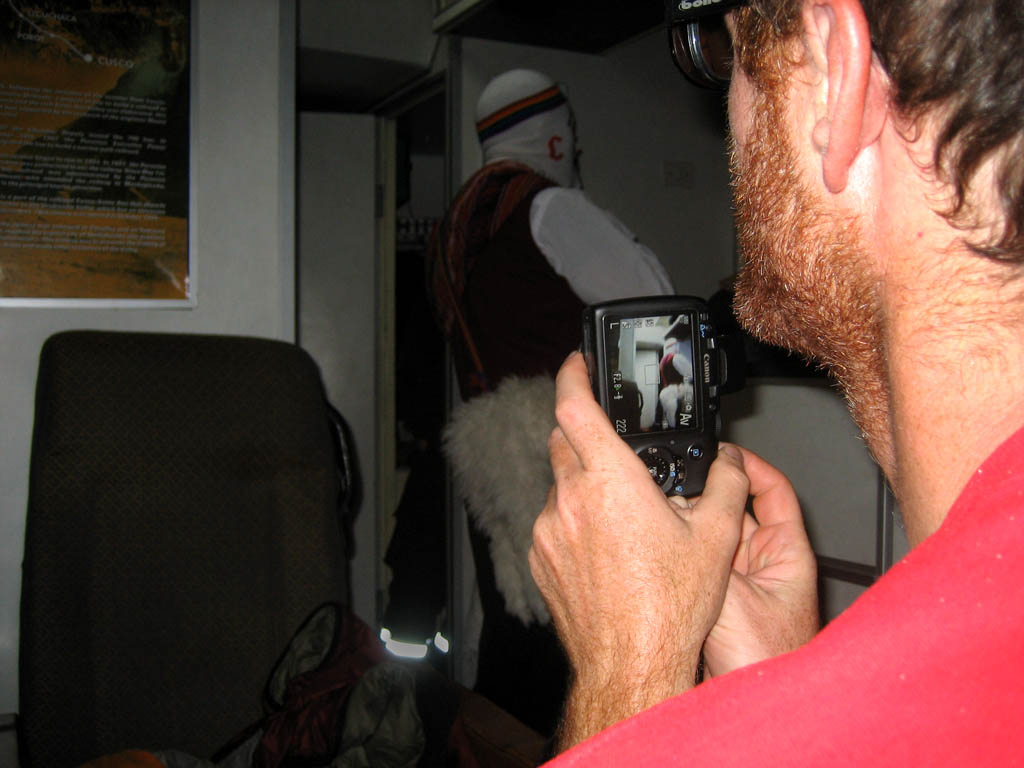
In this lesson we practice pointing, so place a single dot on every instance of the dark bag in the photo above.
(308, 690)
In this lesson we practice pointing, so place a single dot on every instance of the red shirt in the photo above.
(926, 668)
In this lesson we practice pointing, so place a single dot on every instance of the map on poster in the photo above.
(94, 149)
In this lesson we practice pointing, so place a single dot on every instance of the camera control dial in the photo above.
(665, 468)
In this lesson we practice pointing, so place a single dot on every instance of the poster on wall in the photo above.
(94, 152)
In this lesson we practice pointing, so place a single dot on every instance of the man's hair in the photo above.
(958, 62)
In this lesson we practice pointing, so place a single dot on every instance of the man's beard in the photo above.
(805, 283)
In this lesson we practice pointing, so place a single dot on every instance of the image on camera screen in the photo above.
(650, 373)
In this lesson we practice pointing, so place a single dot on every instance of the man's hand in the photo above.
(771, 606)
(634, 580)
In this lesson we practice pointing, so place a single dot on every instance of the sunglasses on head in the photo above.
(698, 39)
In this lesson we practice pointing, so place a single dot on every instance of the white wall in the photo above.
(244, 249)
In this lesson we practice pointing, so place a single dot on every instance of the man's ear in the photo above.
(856, 95)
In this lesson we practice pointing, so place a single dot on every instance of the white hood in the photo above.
(523, 115)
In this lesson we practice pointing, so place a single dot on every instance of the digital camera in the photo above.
(657, 368)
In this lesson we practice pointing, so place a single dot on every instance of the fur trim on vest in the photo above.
(497, 444)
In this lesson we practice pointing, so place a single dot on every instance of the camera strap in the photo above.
(480, 209)
(478, 379)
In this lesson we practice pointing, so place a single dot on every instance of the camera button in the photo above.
(695, 451)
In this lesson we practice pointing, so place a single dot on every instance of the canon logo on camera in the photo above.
(687, 5)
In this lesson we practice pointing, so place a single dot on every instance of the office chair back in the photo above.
(183, 520)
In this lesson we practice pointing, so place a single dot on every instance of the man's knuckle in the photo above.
(565, 409)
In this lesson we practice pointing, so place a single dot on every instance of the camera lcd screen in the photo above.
(650, 373)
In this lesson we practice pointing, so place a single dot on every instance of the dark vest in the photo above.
(524, 318)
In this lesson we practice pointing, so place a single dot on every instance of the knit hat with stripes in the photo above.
(523, 115)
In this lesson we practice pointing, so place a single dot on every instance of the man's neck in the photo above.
(956, 368)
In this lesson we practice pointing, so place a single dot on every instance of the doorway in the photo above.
(415, 576)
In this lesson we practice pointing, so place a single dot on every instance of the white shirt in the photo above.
(594, 251)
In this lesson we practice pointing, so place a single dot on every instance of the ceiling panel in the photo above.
(589, 26)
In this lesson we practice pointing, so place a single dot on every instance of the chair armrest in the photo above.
(496, 738)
